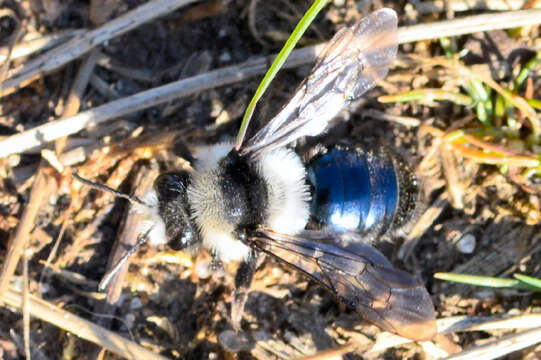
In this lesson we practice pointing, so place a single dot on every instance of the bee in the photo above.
(240, 200)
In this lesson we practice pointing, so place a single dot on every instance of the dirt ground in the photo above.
(473, 217)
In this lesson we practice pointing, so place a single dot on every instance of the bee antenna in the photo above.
(104, 283)
(101, 187)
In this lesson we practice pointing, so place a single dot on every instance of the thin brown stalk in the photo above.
(13, 39)
(40, 190)
(501, 346)
(25, 307)
(30, 47)
(80, 327)
(73, 103)
(438, 6)
(466, 323)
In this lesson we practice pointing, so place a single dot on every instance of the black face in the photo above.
(245, 192)
(174, 209)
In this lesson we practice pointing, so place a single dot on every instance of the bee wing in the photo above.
(355, 60)
(362, 278)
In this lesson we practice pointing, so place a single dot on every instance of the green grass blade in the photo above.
(525, 71)
(531, 281)
(301, 27)
(520, 281)
(477, 280)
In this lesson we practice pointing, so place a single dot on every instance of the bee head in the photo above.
(174, 209)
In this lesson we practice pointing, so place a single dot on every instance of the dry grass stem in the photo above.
(501, 346)
(438, 6)
(13, 39)
(25, 305)
(465, 323)
(40, 190)
(46, 42)
(130, 232)
(39, 136)
(82, 328)
(469, 25)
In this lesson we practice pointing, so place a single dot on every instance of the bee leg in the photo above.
(243, 281)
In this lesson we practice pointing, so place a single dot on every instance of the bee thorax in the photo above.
(231, 194)
(288, 193)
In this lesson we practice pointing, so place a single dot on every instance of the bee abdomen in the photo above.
(356, 189)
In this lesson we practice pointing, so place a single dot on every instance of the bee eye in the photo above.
(171, 185)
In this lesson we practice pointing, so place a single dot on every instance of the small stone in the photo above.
(466, 244)
(136, 303)
(232, 341)
(202, 269)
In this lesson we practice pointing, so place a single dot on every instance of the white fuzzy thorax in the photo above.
(288, 198)
(285, 176)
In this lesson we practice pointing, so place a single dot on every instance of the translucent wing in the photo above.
(355, 60)
(361, 278)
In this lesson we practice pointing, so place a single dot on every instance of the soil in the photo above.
(175, 303)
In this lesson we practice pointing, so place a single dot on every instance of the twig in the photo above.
(431, 7)
(500, 347)
(73, 102)
(46, 42)
(39, 136)
(40, 189)
(128, 238)
(13, 39)
(465, 323)
(130, 231)
(81, 44)
(82, 328)
(25, 307)
(469, 24)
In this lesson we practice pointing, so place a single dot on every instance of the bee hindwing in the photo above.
(364, 280)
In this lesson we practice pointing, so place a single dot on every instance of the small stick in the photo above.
(469, 24)
(40, 190)
(46, 42)
(13, 39)
(40, 135)
(26, 312)
(82, 328)
(501, 346)
(132, 239)
(465, 323)
(439, 6)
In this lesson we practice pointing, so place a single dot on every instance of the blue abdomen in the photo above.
(354, 189)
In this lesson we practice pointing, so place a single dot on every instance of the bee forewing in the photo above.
(390, 298)
(370, 46)
(355, 60)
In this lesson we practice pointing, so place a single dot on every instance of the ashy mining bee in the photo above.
(250, 197)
